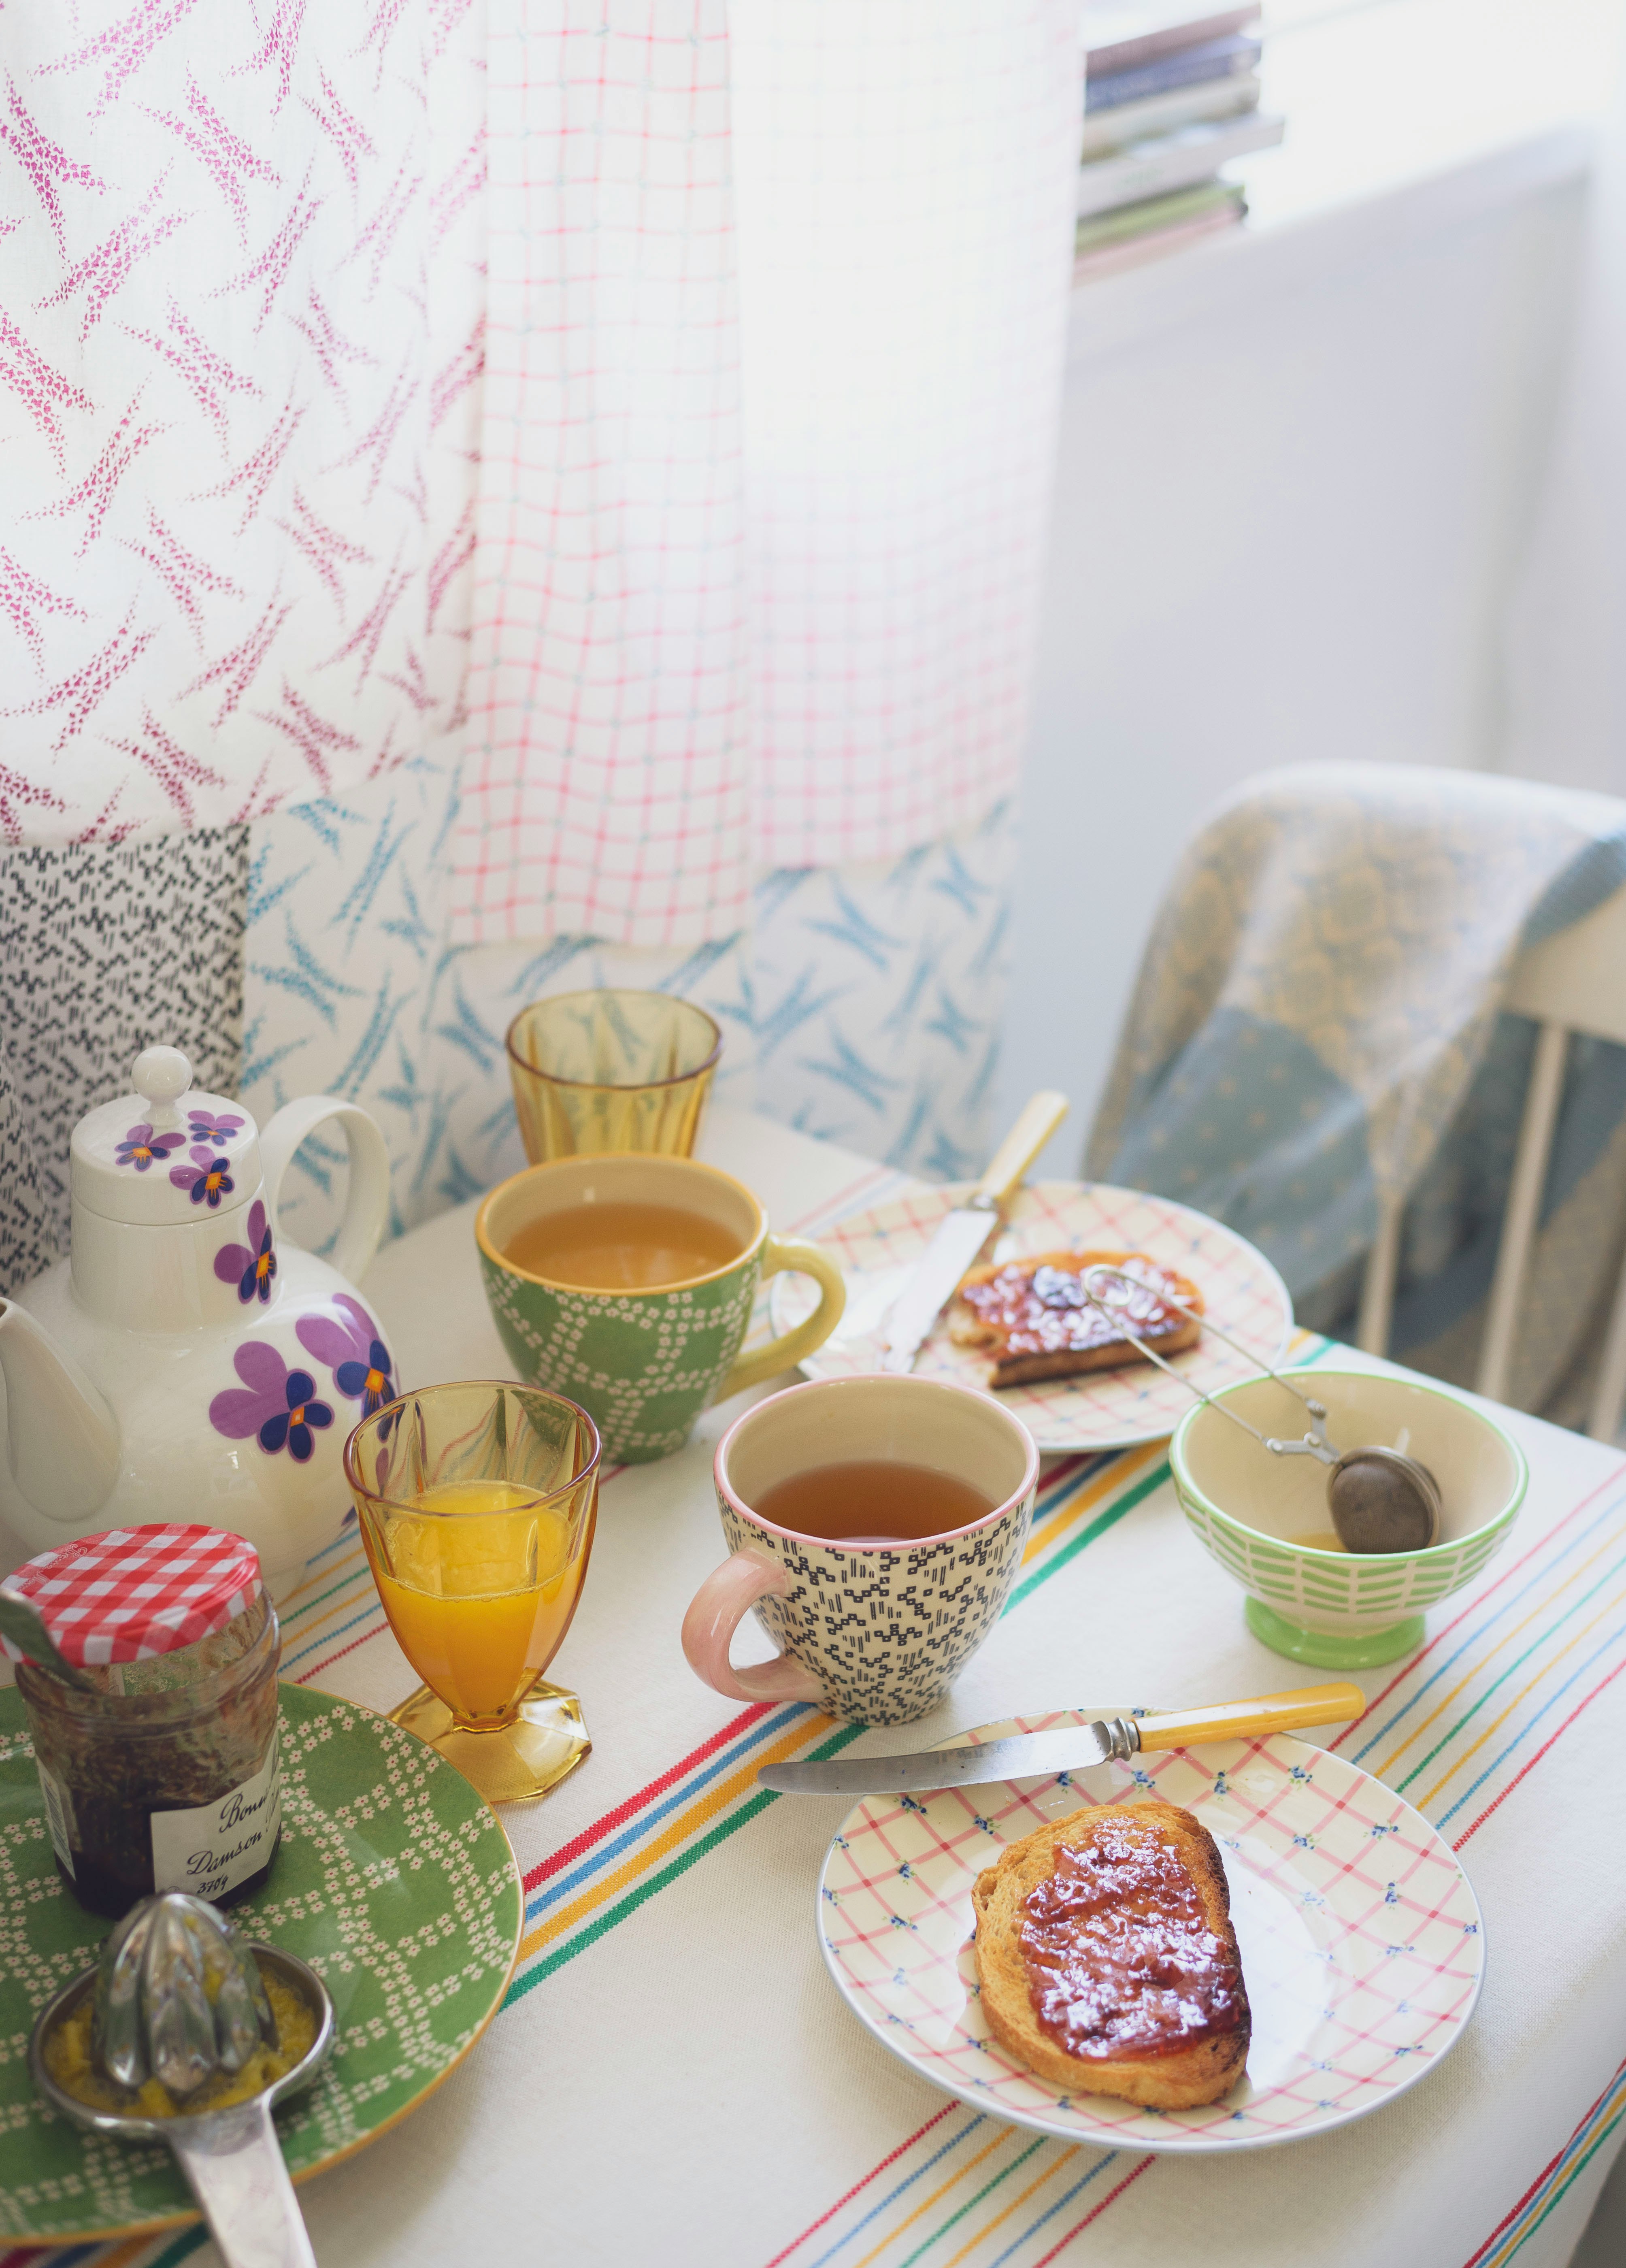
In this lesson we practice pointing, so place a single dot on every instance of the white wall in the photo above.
(1293, 482)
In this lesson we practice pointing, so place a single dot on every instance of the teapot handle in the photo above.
(366, 1204)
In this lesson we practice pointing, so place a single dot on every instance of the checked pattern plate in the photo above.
(1361, 1940)
(393, 1880)
(1105, 1408)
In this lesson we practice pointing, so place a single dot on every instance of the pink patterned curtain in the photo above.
(906, 176)
(606, 787)
(240, 339)
(820, 308)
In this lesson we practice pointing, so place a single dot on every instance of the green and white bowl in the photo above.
(1256, 1512)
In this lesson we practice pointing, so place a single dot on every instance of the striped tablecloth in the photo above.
(674, 2079)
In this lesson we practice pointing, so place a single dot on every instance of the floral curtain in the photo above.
(860, 1003)
(242, 255)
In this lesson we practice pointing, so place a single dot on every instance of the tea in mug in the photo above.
(622, 1248)
(872, 1500)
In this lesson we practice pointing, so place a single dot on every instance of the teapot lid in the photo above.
(168, 1152)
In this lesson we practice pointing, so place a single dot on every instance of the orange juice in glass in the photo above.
(477, 1502)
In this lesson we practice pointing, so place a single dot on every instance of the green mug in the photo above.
(645, 1359)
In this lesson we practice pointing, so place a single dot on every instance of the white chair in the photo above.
(1575, 981)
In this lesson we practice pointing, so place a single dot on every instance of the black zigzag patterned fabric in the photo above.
(105, 949)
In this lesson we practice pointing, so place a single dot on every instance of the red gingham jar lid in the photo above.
(136, 1592)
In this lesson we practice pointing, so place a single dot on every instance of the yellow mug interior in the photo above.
(566, 1185)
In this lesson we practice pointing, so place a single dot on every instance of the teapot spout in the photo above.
(61, 1439)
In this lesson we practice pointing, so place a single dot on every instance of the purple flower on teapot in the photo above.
(250, 1266)
(204, 1126)
(206, 1177)
(141, 1146)
(276, 1405)
(353, 1350)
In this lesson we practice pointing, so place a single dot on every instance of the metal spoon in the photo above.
(1381, 1500)
(232, 2158)
(20, 1621)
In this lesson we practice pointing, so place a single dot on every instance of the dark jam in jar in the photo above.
(1120, 1957)
(166, 1775)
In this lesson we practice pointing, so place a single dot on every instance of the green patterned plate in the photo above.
(394, 1881)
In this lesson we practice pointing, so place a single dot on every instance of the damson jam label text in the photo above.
(211, 1848)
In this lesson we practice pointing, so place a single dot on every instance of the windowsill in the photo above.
(1404, 118)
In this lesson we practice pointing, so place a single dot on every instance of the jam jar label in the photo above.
(211, 1848)
(58, 1815)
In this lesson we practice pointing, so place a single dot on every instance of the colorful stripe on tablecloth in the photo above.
(967, 2186)
(964, 2190)
(1595, 2132)
(1525, 1653)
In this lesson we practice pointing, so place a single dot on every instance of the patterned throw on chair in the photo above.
(1316, 1032)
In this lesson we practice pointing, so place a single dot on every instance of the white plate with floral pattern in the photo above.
(1105, 1408)
(1363, 1949)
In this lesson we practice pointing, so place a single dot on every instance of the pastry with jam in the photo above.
(1107, 1962)
(1034, 1320)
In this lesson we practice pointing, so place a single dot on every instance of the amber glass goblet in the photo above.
(477, 1503)
(611, 1070)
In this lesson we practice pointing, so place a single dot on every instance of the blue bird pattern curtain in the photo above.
(860, 1003)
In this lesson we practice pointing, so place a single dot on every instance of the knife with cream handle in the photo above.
(962, 1234)
(1071, 1747)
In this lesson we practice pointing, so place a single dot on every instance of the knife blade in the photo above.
(1066, 1748)
(960, 1235)
(1027, 1755)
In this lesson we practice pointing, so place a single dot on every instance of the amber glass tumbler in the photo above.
(611, 1070)
(477, 1503)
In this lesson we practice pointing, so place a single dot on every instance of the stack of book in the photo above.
(1169, 98)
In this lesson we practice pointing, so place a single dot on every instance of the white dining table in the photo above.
(674, 2078)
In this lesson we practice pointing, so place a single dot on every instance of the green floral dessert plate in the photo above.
(393, 1880)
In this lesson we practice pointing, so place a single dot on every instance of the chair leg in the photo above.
(1523, 1206)
(1609, 1392)
(1372, 1329)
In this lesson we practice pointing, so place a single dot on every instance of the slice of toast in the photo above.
(1107, 1960)
(1032, 1318)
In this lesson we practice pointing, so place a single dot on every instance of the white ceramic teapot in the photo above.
(186, 1363)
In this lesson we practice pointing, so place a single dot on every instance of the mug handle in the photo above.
(714, 1614)
(366, 1200)
(792, 1255)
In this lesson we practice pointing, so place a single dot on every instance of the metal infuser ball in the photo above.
(179, 1997)
(1381, 1500)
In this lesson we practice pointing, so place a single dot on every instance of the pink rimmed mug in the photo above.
(874, 1633)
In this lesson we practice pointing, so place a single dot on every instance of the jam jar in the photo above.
(162, 1771)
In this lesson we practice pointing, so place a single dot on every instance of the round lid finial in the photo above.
(161, 1075)
(153, 1157)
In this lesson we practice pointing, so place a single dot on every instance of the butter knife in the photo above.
(1070, 1748)
(962, 1234)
